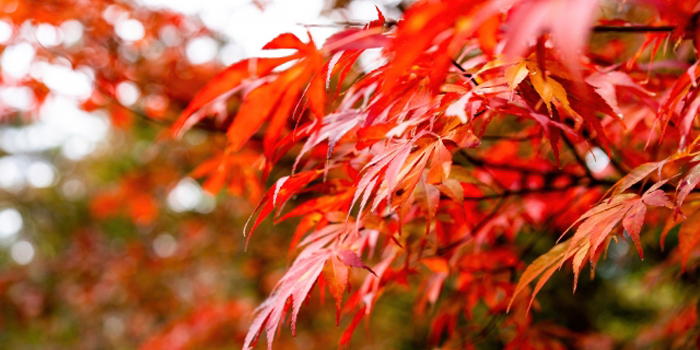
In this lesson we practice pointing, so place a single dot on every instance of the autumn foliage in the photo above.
(501, 145)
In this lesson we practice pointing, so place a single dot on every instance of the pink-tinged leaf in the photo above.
(370, 290)
(546, 264)
(324, 235)
(587, 103)
(606, 84)
(277, 187)
(633, 222)
(598, 222)
(280, 193)
(295, 284)
(393, 169)
(637, 174)
(550, 124)
(335, 126)
(336, 275)
(374, 169)
(571, 28)
(255, 330)
(305, 281)
(613, 203)
(350, 258)
(568, 21)
(602, 225)
(678, 92)
(330, 68)
(453, 189)
(306, 224)
(365, 197)
(434, 285)
(578, 261)
(540, 283)
(685, 186)
(356, 39)
(458, 108)
(657, 198)
(526, 23)
(686, 121)
(432, 194)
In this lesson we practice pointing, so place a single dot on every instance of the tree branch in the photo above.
(479, 226)
(579, 160)
(632, 29)
(596, 29)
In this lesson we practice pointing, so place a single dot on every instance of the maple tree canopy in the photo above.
(492, 130)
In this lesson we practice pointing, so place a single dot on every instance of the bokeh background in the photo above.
(107, 237)
(106, 240)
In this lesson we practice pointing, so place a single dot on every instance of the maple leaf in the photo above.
(321, 254)
(349, 258)
(283, 189)
(233, 171)
(594, 229)
(335, 274)
(425, 171)
(684, 88)
(567, 21)
(687, 184)
(225, 83)
(295, 284)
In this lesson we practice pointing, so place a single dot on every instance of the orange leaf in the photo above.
(224, 82)
(487, 34)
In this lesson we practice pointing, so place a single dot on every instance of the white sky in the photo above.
(250, 28)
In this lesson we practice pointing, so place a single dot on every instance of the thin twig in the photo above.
(579, 160)
(539, 190)
(464, 71)
(346, 24)
(485, 164)
(509, 138)
(632, 29)
(603, 28)
(476, 229)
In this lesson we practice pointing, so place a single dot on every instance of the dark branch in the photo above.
(595, 29)
(474, 230)
(632, 29)
(579, 160)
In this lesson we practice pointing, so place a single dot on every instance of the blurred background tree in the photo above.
(105, 239)
(108, 238)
